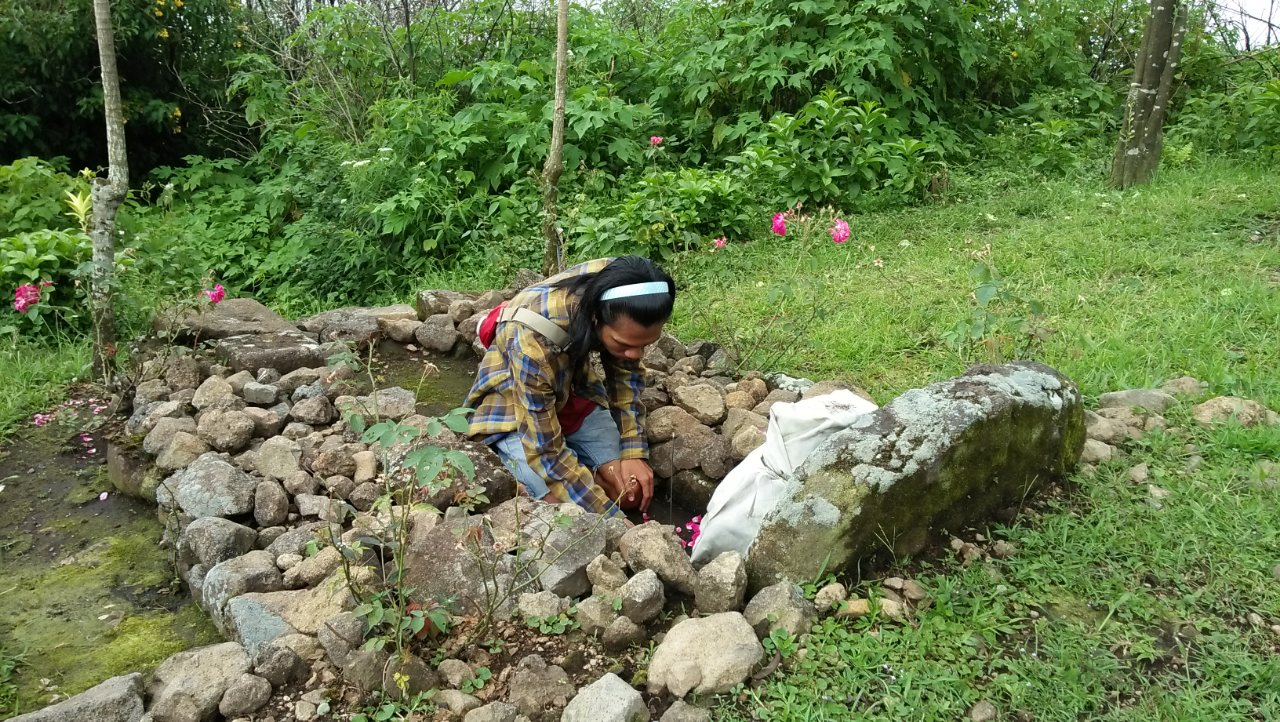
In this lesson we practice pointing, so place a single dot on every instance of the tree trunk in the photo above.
(552, 259)
(107, 196)
(408, 36)
(1142, 134)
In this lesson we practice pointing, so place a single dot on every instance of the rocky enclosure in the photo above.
(267, 490)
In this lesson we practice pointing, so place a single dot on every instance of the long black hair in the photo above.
(593, 313)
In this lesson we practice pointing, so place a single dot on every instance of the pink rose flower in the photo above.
(217, 294)
(719, 242)
(25, 296)
(655, 140)
(840, 231)
(780, 224)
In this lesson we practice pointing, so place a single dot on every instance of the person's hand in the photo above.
(639, 470)
(609, 478)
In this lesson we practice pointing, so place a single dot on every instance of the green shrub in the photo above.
(41, 242)
(31, 195)
(672, 211)
(833, 151)
(1244, 120)
(39, 258)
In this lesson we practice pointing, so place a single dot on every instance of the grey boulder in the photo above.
(270, 504)
(188, 686)
(230, 317)
(492, 712)
(567, 553)
(392, 403)
(1153, 400)
(437, 333)
(543, 605)
(118, 699)
(654, 546)
(213, 390)
(439, 566)
(607, 699)
(594, 615)
(683, 712)
(780, 606)
(225, 430)
(642, 597)
(536, 686)
(722, 584)
(933, 458)
(283, 351)
(295, 540)
(260, 394)
(245, 696)
(209, 486)
(280, 665)
(182, 448)
(253, 572)
(212, 540)
(315, 411)
(160, 436)
(621, 634)
(606, 578)
(723, 646)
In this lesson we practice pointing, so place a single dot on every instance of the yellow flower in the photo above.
(236, 44)
(159, 13)
(242, 28)
(159, 2)
(1014, 53)
(177, 3)
(164, 32)
(177, 113)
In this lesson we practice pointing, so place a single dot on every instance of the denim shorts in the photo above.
(596, 442)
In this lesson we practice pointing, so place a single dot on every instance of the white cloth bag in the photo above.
(753, 488)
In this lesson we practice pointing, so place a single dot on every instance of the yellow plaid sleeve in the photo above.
(624, 402)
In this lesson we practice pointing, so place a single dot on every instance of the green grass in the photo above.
(1139, 286)
(9, 663)
(33, 375)
(1112, 581)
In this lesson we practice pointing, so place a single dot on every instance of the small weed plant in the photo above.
(1001, 324)
(558, 624)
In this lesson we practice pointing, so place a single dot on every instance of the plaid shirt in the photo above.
(524, 380)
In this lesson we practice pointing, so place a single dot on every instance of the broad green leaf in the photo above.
(985, 293)
(457, 422)
(461, 462)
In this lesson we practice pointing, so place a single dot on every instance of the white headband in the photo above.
(635, 289)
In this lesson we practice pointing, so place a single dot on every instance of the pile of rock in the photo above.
(702, 420)
(262, 482)
(1132, 413)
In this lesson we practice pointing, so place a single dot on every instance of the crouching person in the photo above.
(566, 434)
